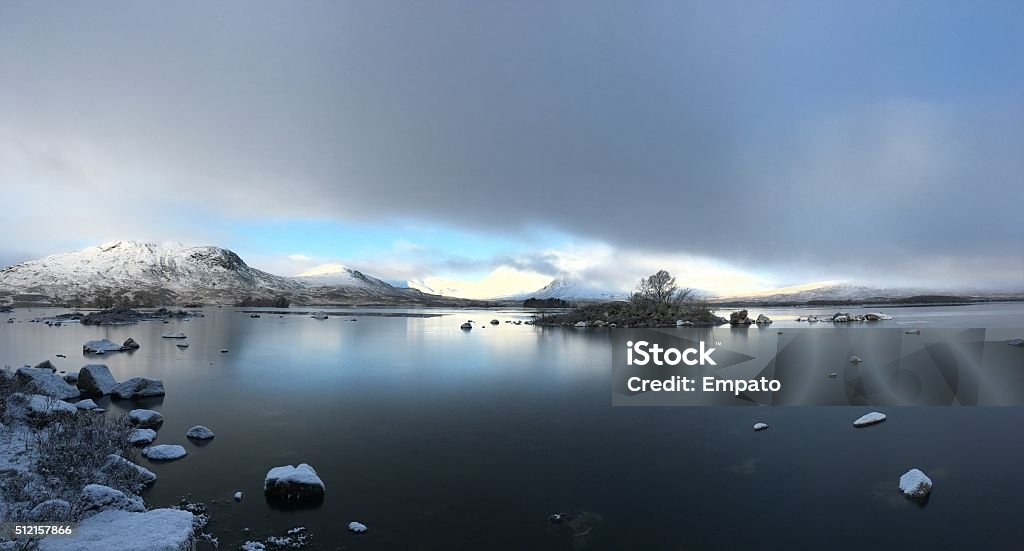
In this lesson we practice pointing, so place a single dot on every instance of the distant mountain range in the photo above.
(148, 274)
(142, 274)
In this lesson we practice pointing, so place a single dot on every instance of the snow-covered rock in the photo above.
(145, 417)
(156, 530)
(199, 432)
(581, 324)
(253, 546)
(142, 437)
(763, 319)
(915, 484)
(138, 387)
(912, 332)
(95, 380)
(70, 378)
(841, 319)
(869, 419)
(357, 527)
(88, 404)
(290, 482)
(173, 335)
(1015, 342)
(760, 426)
(320, 315)
(45, 382)
(51, 510)
(684, 323)
(38, 407)
(119, 468)
(855, 360)
(164, 452)
(102, 346)
(876, 316)
(238, 496)
(97, 497)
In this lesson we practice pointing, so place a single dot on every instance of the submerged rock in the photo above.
(95, 380)
(199, 432)
(760, 426)
(357, 527)
(145, 417)
(142, 437)
(138, 387)
(869, 419)
(912, 332)
(320, 315)
(164, 452)
(290, 482)
(86, 404)
(1015, 342)
(915, 484)
(173, 335)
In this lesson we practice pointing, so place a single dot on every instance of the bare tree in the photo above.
(660, 288)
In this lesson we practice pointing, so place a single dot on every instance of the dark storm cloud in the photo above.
(793, 136)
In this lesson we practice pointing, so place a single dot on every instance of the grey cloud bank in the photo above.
(862, 140)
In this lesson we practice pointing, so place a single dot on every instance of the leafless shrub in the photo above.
(70, 451)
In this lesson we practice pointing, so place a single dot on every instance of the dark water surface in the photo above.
(438, 438)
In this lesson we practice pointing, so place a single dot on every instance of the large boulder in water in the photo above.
(95, 380)
(763, 319)
(101, 346)
(740, 318)
(293, 483)
(45, 382)
(138, 387)
(130, 344)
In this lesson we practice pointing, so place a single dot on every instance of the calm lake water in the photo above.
(437, 438)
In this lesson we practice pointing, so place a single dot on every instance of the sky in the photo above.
(741, 145)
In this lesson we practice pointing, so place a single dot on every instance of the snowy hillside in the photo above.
(570, 287)
(149, 274)
(338, 274)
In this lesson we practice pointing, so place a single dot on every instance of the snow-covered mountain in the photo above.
(140, 274)
(504, 281)
(339, 274)
(572, 287)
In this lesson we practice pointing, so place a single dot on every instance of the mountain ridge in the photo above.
(152, 274)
